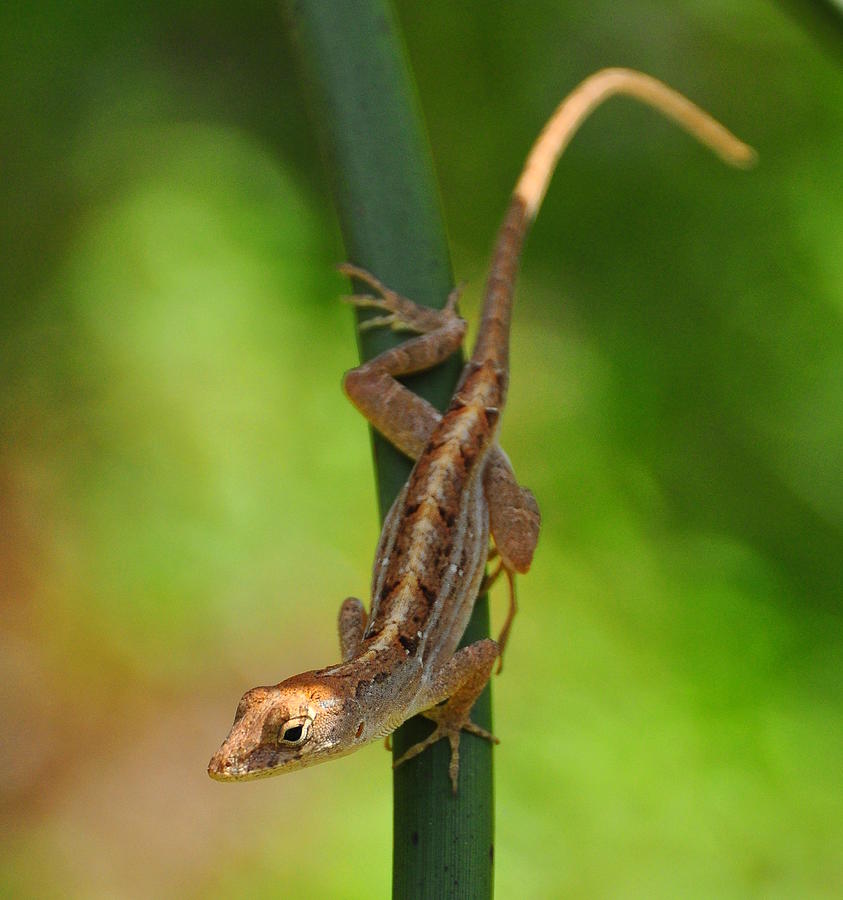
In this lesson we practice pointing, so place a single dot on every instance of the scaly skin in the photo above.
(403, 659)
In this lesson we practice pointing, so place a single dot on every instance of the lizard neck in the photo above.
(381, 671)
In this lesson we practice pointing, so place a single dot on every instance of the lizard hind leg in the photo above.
(514, 523)
(514, 517)
(401, 416)
(503, 637)
(400, 313)
(458, 684)
(488, 581)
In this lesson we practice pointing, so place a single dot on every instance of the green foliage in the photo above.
(187, 497)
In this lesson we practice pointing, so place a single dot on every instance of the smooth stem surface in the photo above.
(365, 109)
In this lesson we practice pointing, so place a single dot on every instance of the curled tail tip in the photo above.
(590, 94)
(743, 156)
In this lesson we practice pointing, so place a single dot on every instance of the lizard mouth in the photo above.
(223, 768)
(228, 771)
(262, 762)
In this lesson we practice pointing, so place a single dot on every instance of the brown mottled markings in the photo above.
(435, 541)
(409, 644)
(437, 538)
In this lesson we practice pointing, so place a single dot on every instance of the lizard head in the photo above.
(299, 722)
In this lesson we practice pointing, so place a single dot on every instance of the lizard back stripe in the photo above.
(431, 534)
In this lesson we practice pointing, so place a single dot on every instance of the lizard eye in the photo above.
(294, 732)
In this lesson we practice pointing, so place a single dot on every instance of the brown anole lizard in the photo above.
(402, 658)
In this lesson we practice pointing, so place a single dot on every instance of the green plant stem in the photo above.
(365, 109)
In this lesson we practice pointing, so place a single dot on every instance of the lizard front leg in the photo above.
(351, 625)
(459, 684)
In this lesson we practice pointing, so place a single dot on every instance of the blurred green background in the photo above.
(186, 497)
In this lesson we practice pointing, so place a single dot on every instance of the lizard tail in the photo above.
(585, 98)
(534, 180)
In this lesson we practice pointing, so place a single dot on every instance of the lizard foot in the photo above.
(400, 313)
(448, 725)
(486, 586)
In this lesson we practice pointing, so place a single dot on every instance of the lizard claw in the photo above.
(379, 322)
(391, 318)
(446, 727)
(401, 314)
